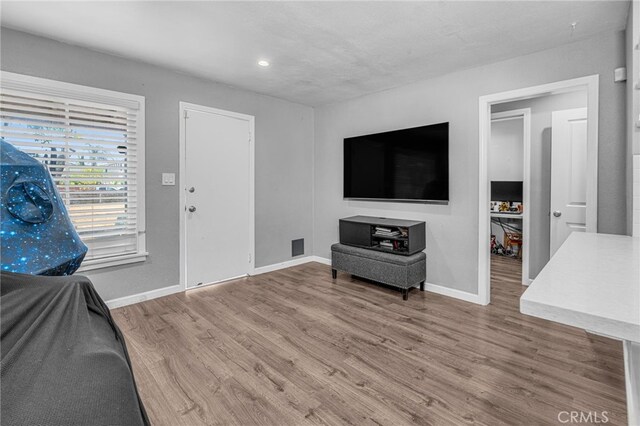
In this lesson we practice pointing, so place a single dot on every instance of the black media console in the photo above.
(397, 236)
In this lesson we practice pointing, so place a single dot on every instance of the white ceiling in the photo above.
(321, 52)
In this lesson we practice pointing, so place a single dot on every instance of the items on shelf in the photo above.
(386, 244)
(386, 232)
(394, 245)
(395, 235)
(506, 207)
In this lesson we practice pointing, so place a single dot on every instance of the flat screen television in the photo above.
(505, 190)
(410, 165)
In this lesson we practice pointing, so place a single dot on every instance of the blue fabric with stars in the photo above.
(36, 232)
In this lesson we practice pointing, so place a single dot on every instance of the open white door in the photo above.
(217, 195)
(569, 156)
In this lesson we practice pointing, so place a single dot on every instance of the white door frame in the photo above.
(184, 106)
(525, 115)
(590, 83)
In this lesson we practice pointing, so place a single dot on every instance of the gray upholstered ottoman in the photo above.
(388, 268)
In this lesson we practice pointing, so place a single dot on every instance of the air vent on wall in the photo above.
(297, 247)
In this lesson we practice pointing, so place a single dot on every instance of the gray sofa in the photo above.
(397, 270)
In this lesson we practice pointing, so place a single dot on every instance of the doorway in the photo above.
(217, 193)
(509, 177)
(488, 104)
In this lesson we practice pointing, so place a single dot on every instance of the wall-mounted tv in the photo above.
(410, 165)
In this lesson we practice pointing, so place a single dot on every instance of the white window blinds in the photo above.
(94, 151)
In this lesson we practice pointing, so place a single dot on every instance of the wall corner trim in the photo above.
(322, 260)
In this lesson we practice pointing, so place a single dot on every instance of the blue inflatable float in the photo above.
(36, 231)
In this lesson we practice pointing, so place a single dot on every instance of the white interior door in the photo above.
(568, 174)
(217, 185)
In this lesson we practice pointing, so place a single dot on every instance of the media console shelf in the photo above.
(383, 250)
(398, 236)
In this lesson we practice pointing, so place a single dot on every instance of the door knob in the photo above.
(557, 213)
(192, 209)
(192, 189)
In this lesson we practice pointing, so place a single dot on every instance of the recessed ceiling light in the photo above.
(263, 63)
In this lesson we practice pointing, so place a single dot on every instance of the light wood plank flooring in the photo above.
(294, 347)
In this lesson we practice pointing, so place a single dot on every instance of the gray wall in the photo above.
(506, 150)
(284, 152)
(452, 230)
(541, 109)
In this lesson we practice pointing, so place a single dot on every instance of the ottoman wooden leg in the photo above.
(405, 293)
(334, 273)
(422, 286)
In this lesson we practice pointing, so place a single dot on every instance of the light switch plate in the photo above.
(168, 179)
(620, 74)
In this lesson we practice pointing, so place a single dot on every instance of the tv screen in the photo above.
(503, 190)
(401, 165)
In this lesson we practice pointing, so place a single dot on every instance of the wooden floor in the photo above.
(294, 347)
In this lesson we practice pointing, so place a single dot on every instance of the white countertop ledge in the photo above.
(592, 282)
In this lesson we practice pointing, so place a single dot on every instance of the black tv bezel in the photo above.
(520, 183)
(400, 200)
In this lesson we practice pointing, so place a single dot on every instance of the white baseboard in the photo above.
(282, 265)
(165, 291)
(290, 263)
(153, 294)
(141, 297)
(451, 292)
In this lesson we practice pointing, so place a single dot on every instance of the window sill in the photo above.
(108, 262)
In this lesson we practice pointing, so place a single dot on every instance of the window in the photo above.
(92, 141)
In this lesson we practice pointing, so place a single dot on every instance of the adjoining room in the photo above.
(292, 213)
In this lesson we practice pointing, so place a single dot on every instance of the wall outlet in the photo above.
(168, 179)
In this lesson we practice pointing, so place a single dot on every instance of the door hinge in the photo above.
(249, 257)
(186, 114)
